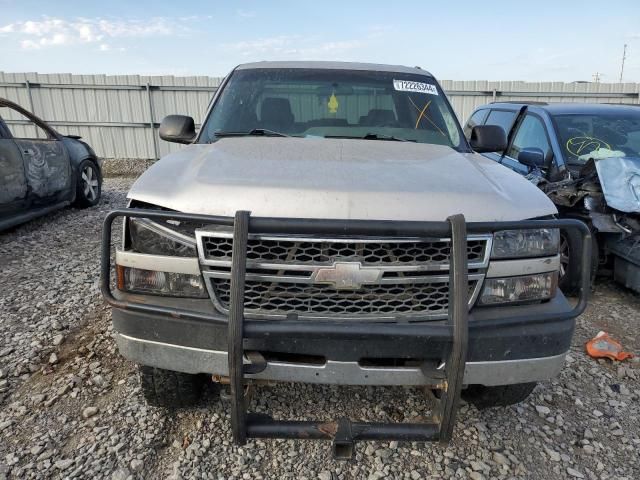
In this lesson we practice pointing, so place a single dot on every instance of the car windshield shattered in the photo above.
(597, 136)
(333, 104)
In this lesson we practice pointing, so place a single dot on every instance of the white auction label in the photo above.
(418, 87)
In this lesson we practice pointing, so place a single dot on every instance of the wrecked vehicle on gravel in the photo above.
(329, 223)
(586, 158)
(42, 170)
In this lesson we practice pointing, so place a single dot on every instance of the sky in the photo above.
(536, 40)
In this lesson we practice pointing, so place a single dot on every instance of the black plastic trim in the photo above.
(494, 334)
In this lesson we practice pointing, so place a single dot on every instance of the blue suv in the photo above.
(586, 158)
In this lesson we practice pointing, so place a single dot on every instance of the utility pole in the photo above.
(624, 56)
(596, 77)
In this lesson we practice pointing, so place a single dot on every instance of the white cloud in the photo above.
(376, 31)
(246, 13)
(295, 46)
(134, 28)
(51, 31)
(314, 47)
(332, 47)
(29, 45)
(263, 45)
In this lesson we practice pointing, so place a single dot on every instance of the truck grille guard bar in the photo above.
(343, 432)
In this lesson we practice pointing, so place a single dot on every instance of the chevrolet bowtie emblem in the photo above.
(347, 275)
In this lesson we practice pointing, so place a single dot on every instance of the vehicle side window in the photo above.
(476, 119)
(21, 126)
(502, 118)
(531, 134)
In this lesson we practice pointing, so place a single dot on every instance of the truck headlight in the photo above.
(526, 288)
(540, 242)
(158, 239)
(137, 280)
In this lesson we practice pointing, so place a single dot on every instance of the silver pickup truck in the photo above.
(330, 223)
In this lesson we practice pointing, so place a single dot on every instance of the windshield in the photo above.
(334, 103)
(585, 136)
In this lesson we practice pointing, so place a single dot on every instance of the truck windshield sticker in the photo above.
(418, 87)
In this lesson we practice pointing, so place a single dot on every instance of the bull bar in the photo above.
(342, 432)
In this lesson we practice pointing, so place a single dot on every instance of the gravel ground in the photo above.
(70, 406)
(125, 167)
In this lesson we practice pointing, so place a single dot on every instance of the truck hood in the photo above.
(620, 181)
(338, 179)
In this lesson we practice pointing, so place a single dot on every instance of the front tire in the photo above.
(88, 184)
(570, 259)
(500, 396)
(168, 389)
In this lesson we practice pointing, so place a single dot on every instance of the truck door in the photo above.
(46, 164)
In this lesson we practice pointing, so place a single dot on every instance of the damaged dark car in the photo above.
(586, 158)
(42, 170)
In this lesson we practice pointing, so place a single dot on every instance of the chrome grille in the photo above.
(304, 251)
(283, 277)
(313, 300)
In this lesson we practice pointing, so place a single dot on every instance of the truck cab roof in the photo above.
(320, 65)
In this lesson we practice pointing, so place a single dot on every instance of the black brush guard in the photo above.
(343, 432)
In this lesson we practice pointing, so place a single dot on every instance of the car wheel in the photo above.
(501, 396)
(570, 255)
(89, 184)
(564, 256)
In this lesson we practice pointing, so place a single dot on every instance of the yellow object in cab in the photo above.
(333, 104)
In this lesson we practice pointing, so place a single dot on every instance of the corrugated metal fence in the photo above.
(119, 115)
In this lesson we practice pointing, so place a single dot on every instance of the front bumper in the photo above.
(195, 360)
(440, 350)
(504, 347)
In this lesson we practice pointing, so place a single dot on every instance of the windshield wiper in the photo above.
(257, 132)
(372, 136)
(378, 136)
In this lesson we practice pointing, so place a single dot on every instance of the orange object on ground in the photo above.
(603, 346)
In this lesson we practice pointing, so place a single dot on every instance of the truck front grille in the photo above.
(403, 277)
(323, 300)
(433, 253)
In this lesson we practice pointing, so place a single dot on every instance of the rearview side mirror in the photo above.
(177, 129)
(488, 138)
(531, 157)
